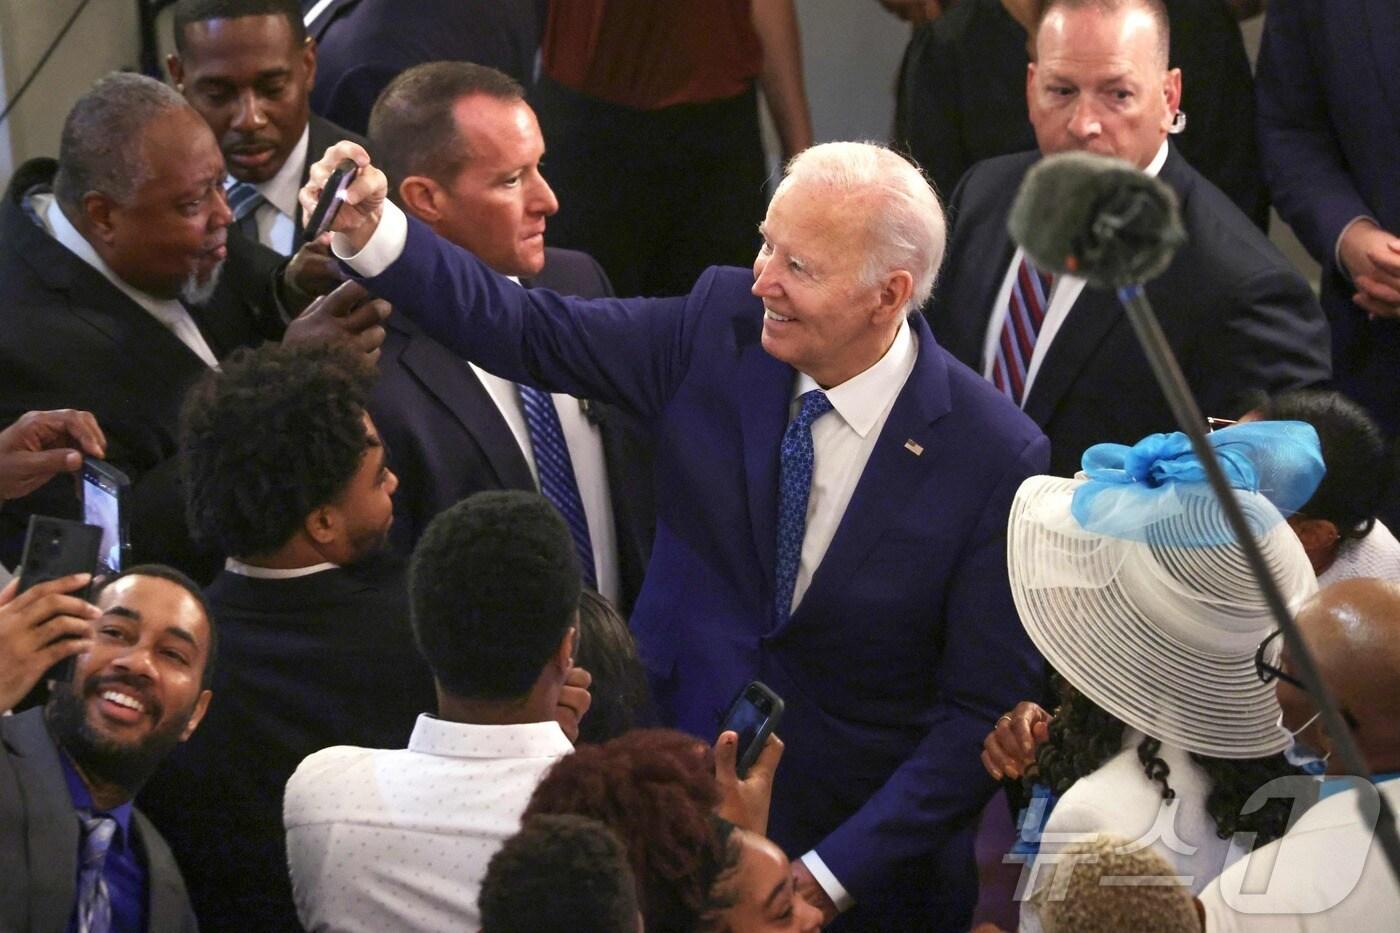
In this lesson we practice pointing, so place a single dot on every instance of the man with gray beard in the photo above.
(114, 298)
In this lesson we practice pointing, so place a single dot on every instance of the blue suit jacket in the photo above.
(1328, 87)
(905, 648)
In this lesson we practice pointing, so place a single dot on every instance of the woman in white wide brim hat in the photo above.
(1129, 581)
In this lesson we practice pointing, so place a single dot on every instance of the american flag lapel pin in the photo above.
(914, 447)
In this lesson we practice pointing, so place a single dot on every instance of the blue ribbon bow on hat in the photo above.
(1131, 488)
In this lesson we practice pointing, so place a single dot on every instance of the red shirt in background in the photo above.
(649, 54)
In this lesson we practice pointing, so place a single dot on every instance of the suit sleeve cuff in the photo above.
(833, 888)
(384, 247)
(1337, 246)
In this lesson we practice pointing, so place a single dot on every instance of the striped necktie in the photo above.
(1025, 313)
(555, 467)
(796, 459)
(94, 900)
(244, 199)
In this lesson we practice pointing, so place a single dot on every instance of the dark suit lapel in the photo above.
(52, 828)
(167, 900)
(966, 333)
(453, 383)
(98, 303)
(893, 472)
(763, 386)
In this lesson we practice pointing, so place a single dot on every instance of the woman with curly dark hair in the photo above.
(1130, 582)
(696, 871)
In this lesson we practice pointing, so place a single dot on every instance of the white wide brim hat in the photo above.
(1159, 633)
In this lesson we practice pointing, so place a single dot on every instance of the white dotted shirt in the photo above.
(399, 839)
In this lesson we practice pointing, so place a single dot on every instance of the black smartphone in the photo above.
(53, 548)
(105, 490)
(332, 196)
(754, 715)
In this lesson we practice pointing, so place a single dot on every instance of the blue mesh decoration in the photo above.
(1158, 479)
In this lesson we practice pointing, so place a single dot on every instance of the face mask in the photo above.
(1300, 755)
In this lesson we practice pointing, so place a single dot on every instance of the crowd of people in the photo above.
(448, 553)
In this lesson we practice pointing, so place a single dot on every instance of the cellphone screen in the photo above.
(101, 508)
(745, 720)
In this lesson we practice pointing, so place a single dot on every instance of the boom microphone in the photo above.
(1097, 218)
(1106, 222)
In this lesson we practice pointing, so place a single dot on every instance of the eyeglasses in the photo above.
(1215, 424)
(1267, 672)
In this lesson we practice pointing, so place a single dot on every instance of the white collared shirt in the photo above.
(233, 565)
(842, 441)
(277, 224)
(399, 839)
(171, 314)
(1063, 295)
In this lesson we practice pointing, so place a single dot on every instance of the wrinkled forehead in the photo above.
(1128, 38)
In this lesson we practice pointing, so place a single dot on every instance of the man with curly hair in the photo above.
(283, 469)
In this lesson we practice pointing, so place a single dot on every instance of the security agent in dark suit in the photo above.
(119, 287)
(248, 67)
(285, 470)
(69, 771)
(1239, 318)
(463, 150)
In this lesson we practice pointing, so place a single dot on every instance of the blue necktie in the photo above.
(794, 488)
(94, 900)
(243, 201)
(556, 471)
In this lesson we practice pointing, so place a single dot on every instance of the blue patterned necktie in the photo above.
(794, 488)
(94, 900)
(556, 471)
(243, 201)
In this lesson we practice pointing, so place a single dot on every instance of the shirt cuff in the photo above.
(1337, 247)
(384, 247)
(833, 888)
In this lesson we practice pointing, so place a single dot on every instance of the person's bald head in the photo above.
(1352, 629)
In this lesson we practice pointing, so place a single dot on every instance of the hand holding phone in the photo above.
(332, 197)
(39, 630)
(747, 755)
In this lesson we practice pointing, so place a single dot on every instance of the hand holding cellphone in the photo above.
(53, 548)
(332, 197)
(754, 715)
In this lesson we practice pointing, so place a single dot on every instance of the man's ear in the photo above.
(308, 59)
(200, 707)
(177, 71)
(1171, 87)
(895, 293)
(321, 524)
(98, 211)
(568, 648)
(422, 197)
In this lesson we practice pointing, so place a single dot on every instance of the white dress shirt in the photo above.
(581, 436)
(1326, 873)
(276, 218)
(1063, 295)
(171, 314)
(399, 839)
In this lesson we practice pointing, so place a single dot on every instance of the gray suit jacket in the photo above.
(39, 841)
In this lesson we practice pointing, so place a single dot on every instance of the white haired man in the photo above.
(820, 526)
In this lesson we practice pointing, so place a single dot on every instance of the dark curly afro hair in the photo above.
(274, 435)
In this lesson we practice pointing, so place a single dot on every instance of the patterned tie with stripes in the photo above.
(244, 200)
(1025, 313)
(555, 467)
(94, 900)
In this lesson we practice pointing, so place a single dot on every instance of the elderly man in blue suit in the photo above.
(832, 494)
